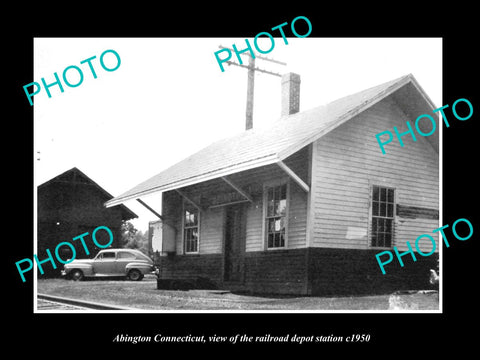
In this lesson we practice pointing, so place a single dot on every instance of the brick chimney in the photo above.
(290, 94)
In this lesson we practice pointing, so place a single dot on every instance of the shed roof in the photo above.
(75, 176)
(258, 147)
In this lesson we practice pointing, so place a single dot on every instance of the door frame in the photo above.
(242, 247)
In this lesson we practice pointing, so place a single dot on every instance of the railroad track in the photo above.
(49, 302)
(43, 304)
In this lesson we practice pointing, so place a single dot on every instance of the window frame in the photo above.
(131, 256)
(186, 204)
(266, 186)
(391, 218)
(103, 258)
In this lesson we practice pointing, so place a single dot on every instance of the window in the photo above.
(276, 215)
(125, 255)
(383, 208)
(190, 228)
(106, 256)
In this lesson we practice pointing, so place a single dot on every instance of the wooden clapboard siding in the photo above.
(254, 238)
(298, 198)
(254, 180)
(172, 215)
(298, 162)
(251, 181)
(211, 231)
(348, 161)
(410, 229)
(297, 216)
(211, 224)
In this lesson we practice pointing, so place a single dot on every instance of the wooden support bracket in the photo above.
(238, 189)
(294, 176)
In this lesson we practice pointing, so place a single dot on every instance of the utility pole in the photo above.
(251, 81)
(250, 91)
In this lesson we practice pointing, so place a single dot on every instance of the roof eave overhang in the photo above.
(263, 161)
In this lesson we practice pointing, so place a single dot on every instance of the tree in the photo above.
(128, 235)
(141, 241)
(133, 238)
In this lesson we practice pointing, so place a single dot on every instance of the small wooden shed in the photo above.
(302, 207)
(71, 204)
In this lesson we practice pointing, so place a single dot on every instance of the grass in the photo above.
(144, 295)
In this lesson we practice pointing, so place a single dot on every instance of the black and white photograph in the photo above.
(266, 185)
(228, 202)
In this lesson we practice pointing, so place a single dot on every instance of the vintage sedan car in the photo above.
(111, 262)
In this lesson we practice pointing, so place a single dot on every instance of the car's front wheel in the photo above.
(76, 275)
(135, 275)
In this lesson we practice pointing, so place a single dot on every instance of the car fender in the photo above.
(143, 267)
(87, 269)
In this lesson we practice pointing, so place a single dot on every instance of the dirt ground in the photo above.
(144, 295)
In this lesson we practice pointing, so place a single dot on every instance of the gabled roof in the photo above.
(259, 147)
(74, 175)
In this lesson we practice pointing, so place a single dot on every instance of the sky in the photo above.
(169, 98)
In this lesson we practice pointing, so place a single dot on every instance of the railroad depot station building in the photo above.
(304, 206)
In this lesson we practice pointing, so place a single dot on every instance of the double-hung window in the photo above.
(383, 215)
(276, 216)
(190, 228)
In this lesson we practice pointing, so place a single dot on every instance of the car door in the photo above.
(104, 264)
(123, 259)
